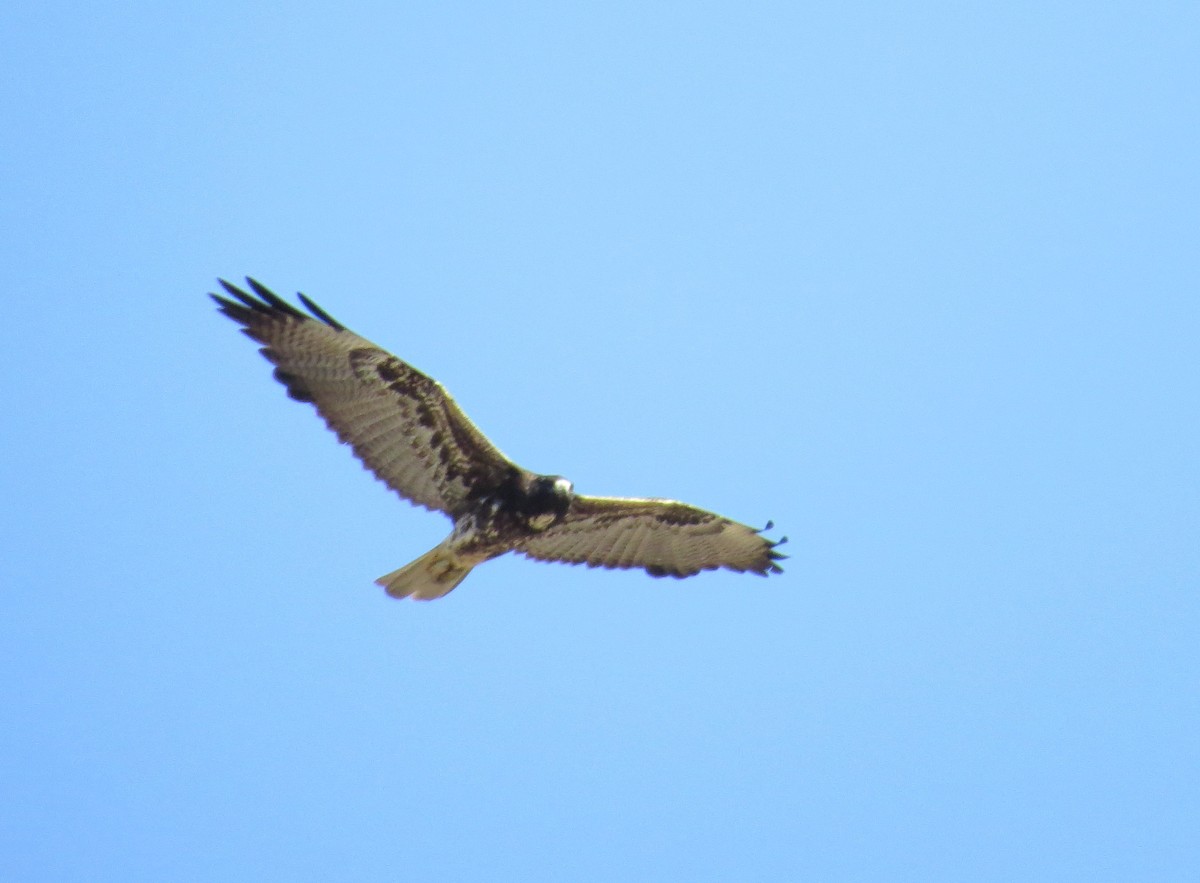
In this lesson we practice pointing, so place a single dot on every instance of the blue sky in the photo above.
(917, 281)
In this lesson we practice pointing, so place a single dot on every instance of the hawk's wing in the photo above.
(402, 425)
(664, 537)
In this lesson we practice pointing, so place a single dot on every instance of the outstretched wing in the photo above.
(664, 537)
(402, 424)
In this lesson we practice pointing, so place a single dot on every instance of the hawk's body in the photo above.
(408, 431)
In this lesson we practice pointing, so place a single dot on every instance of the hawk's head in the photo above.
(547, 500)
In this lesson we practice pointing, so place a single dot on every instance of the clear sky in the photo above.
(918, 281)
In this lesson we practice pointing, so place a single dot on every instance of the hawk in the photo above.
(407, 430)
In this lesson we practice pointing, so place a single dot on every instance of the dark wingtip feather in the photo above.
(274, 300)
(245, 297)
(320, 313)
(770, 567)
(238, 312)
(267, 304)
(246, 310)
(773, 556)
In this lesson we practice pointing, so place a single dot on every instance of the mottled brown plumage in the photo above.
(409, 432)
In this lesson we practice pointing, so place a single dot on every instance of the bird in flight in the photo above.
(407, 430)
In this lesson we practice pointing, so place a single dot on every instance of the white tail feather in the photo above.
(431, 576)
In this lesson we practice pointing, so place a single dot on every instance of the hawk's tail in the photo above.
(432, 575)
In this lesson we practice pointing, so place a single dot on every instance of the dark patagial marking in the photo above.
(443, 454)
(396, 376)
(664, 515)
(387, 372)
(425, 415)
